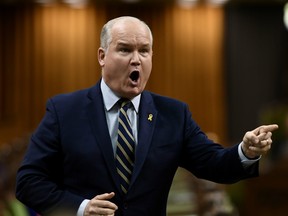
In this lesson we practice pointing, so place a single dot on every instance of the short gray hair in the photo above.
(106, 38)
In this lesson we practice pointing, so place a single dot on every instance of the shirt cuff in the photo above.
(82, 207)
(244, 160)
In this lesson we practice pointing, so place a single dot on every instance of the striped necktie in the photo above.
(125, 147)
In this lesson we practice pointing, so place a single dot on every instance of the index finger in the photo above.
(105, 196)
(268, 128)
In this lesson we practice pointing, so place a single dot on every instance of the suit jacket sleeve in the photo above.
(209, 160)
(39, 176)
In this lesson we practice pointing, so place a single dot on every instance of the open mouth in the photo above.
(134, 76)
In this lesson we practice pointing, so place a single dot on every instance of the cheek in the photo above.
(147, 71)
(115, 77)
(114, 69)
(147, 75)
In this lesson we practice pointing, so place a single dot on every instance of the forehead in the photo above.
(128, 31)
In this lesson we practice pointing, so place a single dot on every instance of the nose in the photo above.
(135, 60)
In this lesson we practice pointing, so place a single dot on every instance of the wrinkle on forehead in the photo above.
(131, 30)
(132, 39)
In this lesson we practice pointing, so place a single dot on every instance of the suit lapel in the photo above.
(147, 121)
(100, 130)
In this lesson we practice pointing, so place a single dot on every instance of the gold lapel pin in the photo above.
(150, 117)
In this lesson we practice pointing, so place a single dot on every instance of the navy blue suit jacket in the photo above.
(70, 156)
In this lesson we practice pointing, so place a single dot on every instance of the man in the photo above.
(72, 163)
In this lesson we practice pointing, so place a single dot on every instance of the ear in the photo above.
(101, 56)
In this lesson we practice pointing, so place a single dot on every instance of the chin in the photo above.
(133, 94)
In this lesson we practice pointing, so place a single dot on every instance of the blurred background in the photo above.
(228, 59)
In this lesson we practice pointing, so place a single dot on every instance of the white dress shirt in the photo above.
(112, 113)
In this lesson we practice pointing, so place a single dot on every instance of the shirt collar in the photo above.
(110, 98)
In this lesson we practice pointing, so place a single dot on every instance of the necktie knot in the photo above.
(124, 103)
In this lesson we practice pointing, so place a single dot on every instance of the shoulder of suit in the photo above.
(76, 93)
(77, 96)
(157, 98)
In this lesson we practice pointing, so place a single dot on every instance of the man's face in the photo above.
(127, 63)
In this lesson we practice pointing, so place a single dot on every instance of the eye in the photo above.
(124, 50)
(144, 51)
